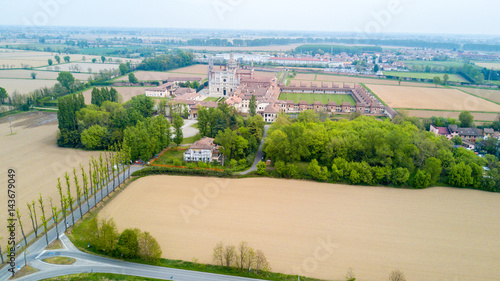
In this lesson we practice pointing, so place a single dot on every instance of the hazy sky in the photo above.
(401, 16)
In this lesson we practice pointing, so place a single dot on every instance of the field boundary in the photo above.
(476, 95)
(373, 93)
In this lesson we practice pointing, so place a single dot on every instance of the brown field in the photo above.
(126, 92)
(196, 68)
(256, 48)
(452, 114)
(350, 80)
(155, 75)
(492, 65)
(431, 98)
(46, 75)
(38, 162)
(15, 58)
(265, 74)
(84, 67)
(25, 86)
(433, 234)
(493, 95)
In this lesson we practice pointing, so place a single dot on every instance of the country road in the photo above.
(258, 156)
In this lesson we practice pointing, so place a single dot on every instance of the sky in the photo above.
(367, 16)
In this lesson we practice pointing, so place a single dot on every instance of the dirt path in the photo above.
(432, 234)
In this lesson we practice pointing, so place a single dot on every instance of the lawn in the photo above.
(60, 260)
(424, 75)
(99, 277)
(435, 63)
(212, 99)
(171, 157)
(324, 98)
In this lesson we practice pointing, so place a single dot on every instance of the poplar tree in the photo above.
(85, 186)
(21, 225)
(63, 199)
(34, 223)
(69, 198)
(44, 219)
(55, 216)
(78, 192)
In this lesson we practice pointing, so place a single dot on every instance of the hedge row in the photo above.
(179, 171)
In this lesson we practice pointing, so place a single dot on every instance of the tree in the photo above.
(94, 60)
(67, 59)
(445, 79)
(149, 249)
(132, 79)
(21, 226)
(400, 176)
(94, 137)
(58, 59)
(32, 214)
(107, 236)
(400, 79)
(103, 59)
(261, 262)
(123, 69)
(33, 75)
(242, 255)
(50, 61)
(55, 216)
(397, 275)
(261, 168)
(457, 140)
(128, 245)
(422, 179)
(350, 275)
(376, 68)
(69, 198)
(78, 192)
(44, 219)
(218, 254)
(460, 175)
(229, 255)
(436, 80)
(252, 106)
(63, 199)
(66, 79)
(178, 122)
(433, 167)
(3, 94)
(466, 119)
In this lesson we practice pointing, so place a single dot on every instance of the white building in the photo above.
(203, 150)
(225, 79)
(161, 91)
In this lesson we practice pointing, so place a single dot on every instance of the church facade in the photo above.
(223, 80)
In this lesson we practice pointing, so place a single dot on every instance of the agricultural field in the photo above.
(126, 92)
(324, 98)
(282, 48)
(493, 95)
(20, 58)
(157, 75)
(490, 65)
(435, 63)
(431, 98)
(422, 75)
(24, 86)
(350, 80)
(192, 69)
(452, 114)
(371, 229)
(32, 151)
(83, 67)
(44, 75)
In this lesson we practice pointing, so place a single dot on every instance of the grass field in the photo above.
(84, 67)
(324, 98)
(349, 80)
(43, 75)
(431, 98)
(452, 114)
(422, 75)
(490, 65)
(371, 229)
(435, 63)
(24, 86)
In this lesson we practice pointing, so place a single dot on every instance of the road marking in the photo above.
(37, 257)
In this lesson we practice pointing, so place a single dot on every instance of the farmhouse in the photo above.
(203, 150)
(161, 91)
(467, 134)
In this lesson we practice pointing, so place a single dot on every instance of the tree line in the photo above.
(337, 49)
(167, 61)
(368, 151)
(99, 127)
(243, 257)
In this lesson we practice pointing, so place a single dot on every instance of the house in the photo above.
(161, 91)
(203, 150)
(467, 134)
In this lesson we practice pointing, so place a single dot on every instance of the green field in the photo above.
(435, 63)
(424, 75)
(324, 98)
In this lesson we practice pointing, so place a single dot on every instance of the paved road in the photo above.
(89, 263)
(258, 156)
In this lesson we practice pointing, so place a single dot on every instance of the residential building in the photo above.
(203, 150)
